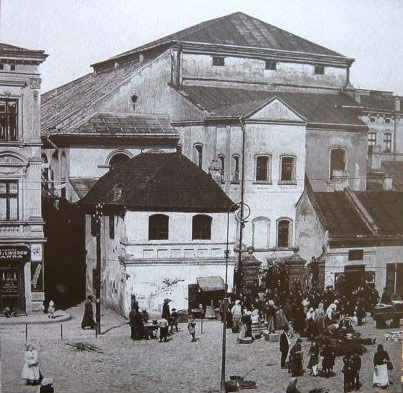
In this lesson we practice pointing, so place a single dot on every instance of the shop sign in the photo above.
(9, 282)
(36, 276)
(14, 253)
(36, 252)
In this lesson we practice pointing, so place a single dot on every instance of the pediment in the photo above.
(276, 110)
(11, 163)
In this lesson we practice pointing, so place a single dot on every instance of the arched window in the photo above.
(158, 227)
(117, 159)
(198, 155)
(45, 172)
(284, 233)
(235, 168)
(63, 168)
(221, 159)
(387, 142)
(201, 227)
(337, 162)
(261, 231)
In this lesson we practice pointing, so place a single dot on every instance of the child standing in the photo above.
(356, 367)
(174, 320)
(192, 328)
(51, 309)
(163, 325)
(347, 371)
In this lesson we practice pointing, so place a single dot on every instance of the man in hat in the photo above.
(88, 318)
(165, 310)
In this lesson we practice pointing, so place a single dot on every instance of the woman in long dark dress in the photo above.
(328, 360)
(88, 318)
(296, 357)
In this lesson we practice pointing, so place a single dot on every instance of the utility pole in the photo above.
(98, 220)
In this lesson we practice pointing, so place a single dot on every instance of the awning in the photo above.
(212, 283)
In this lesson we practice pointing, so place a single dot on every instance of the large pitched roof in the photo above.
(316, 108)
(343, 218)
(159, 182)
(69, 104)
(238, 30)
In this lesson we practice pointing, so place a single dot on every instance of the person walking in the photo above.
(381, 365)
(347, 370)
(328, 360)
(314, 359)
(163, 325)
(166, 313)
(30, 371)
(236, 312)
(356, 367)
(88, 318)
(192, 329)
(284, 346)
(133, 324)
(296, 359)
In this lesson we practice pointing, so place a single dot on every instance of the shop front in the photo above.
(21, 277)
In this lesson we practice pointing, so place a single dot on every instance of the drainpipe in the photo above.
(242, 202)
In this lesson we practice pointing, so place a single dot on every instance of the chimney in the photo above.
(116, 65)
(141, 58)
(357, 97)
(397, 104)
(388, 183)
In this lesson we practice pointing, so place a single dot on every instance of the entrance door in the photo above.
(354, 276)
(12, 289)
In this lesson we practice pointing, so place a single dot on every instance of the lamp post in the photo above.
(98, 219)
(241, 218)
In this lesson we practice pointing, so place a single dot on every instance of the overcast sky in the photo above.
(77, 33)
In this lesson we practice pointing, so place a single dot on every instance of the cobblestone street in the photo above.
(148, 366)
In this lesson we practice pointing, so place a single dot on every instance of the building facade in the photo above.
(21, 223)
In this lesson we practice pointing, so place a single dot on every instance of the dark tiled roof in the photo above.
(165, 182)
(82, 185)
(385, 208)
(13, 51)
(394, 169)
(72, 102)
(341, 218)
(124, 123)
(315, 107)
(241, 30)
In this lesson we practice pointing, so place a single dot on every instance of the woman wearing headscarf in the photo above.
(310, 324)
(30, 371)
(320, 319)
(381, 362)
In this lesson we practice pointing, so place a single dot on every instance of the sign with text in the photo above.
(15, 253)
(36, 276)
(9, 282)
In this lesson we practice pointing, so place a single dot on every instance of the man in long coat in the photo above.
(284, 346)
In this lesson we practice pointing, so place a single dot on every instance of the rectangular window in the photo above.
(263, 169)
(111, 226)
(8, 120)
(372, 118)
(198, 155)
(387, 120)
(218, 61)
(93, 225)
(355, 255)
(8, 200)
(319, 70)
(387, 142)
(337, 162)
(371, 138)
(271, 65)
(287, 169)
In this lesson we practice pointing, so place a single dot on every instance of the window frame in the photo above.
(293, 170)
(372, 141)
(319, 70)
(154, 233)
(268, 179)
(218, 61)
(198, 232)
(331, 176)
(7, 116)
(270, 65)
(235, 174)
(8, 196)
(221, 160)
(289, 233)
(387, 142)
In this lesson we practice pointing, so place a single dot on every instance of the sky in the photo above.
(77, 33)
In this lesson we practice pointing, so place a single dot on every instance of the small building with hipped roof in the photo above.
(164, 228)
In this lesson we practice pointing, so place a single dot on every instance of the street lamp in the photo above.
(242, 215)
(98, 219)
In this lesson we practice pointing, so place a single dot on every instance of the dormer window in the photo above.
(218, 61)
(319, 70)
(271, 65)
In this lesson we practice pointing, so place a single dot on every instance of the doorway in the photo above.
(354, 276)
(12, 289)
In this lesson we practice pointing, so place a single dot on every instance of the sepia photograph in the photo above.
(201, 196)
